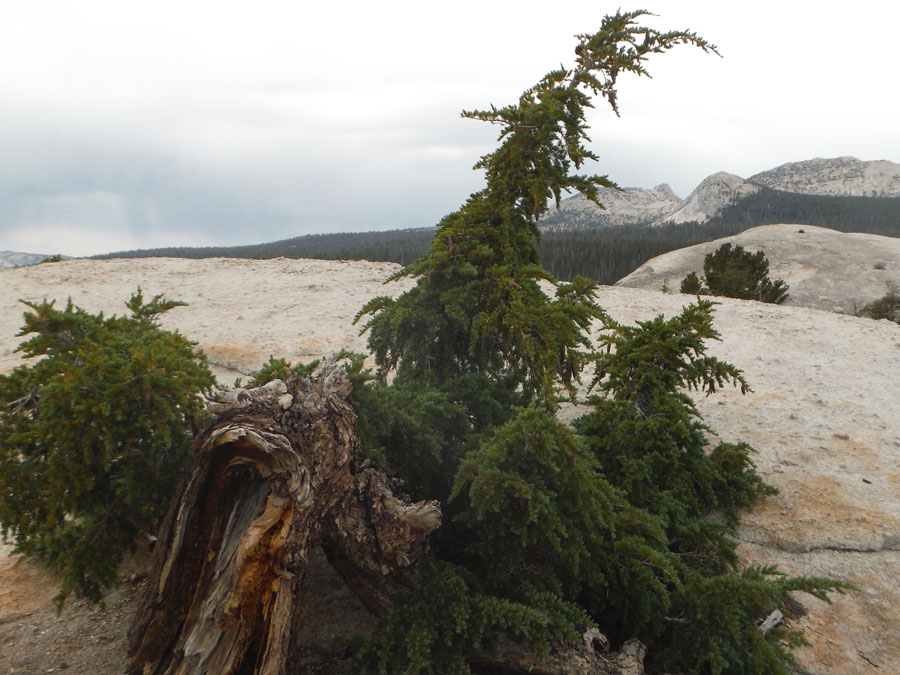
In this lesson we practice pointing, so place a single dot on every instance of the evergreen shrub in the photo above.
(623, 523)
(732, 272)
(95, 435)
(885, 307)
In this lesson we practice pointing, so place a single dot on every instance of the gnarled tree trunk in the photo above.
(277, 475)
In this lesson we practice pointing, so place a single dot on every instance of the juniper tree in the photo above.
(691, 284)
(649, 440)
(735, 273)
(478, 306)
(618, 525)
(95, 435)
(885, 307)
(478, 320)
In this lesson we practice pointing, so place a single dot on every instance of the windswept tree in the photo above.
(478, 306)
(548, 535)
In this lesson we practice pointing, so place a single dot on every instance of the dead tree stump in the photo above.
(276, 475)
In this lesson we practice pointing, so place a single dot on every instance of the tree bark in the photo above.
(276, 475)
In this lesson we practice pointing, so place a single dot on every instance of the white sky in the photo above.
(126, 124)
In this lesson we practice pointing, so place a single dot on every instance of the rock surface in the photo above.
(629, 206)
(18, 259)
(823, 417)
(709, 198)
(845, 176)
(825, 269)
(240, 311)
(841, 176)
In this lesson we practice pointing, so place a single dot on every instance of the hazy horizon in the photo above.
(205, 123)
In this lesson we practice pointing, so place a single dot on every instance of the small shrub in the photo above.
(735, 273)
(691, 284)
(886, 307)
(95, 436)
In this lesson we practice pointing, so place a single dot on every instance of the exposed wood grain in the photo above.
(277, 474)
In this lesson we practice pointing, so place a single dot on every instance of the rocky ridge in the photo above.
(708, 199)
(840, 176)
(843, 176)
(629, 206)
(10, 259)
(822, 417)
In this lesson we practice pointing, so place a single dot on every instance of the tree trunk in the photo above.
(278, 474)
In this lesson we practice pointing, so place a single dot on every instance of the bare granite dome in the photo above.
(823, 416)
(826, 269)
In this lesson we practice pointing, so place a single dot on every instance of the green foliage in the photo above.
(447, 618)
(645, 429)
(622, 523)
(478, 307)
(714, 627)
(52, 259)
(95, 435)
(647, 435)
(886, 307)
(280, 369)
(542, 516)
(417, 431)
(736, 273)
(691, 284)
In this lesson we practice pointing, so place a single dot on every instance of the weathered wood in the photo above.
(775, 618)
(277, 475)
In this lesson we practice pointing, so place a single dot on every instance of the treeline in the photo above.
(400, 246)
(605, 254)
(872, 215)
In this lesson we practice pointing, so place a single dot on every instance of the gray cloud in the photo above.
(203, 124)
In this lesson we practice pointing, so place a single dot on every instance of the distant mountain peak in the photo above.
(836, 176)
(628, 206)
(840, 176)
(708, 199)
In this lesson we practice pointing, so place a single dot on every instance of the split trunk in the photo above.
(277, 476)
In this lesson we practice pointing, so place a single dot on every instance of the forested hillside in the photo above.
(605, 254)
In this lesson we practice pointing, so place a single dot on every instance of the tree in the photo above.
(95, 435)
(550, 532)
(548, 535)
(277, 474)
(691, 284)
(736, 273)
(478, 306)
(650, 442)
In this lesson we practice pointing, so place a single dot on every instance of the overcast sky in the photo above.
(142, 124)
